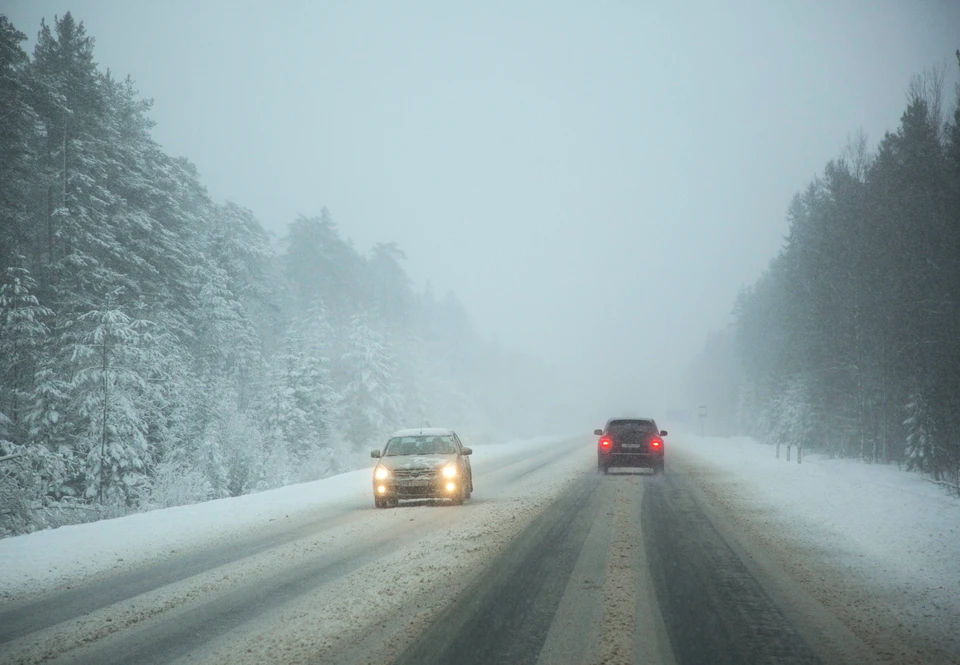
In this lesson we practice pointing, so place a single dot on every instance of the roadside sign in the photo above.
(703, 411)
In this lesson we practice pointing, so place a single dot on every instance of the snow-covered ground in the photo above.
(57, 558)
(878, 546)
(335, 574)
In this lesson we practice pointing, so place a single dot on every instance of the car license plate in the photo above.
(418, 482)
(630, 446)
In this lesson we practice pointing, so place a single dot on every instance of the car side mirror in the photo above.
(375, 453)
(663, 432)
(466, 451)
(598, 432)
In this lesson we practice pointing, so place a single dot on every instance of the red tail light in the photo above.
(655, 443)
(605, 441)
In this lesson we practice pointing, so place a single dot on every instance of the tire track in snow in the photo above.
(296, 596)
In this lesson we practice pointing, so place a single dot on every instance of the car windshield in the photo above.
(420, 445)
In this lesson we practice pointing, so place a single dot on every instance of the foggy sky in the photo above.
(596, 181)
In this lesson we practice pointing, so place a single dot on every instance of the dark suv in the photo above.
(630, 442)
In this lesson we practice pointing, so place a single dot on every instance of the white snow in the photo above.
(896, 518)
(54, 558)
(878, 545)
(421, 558)
(425, 431)
(48, 558)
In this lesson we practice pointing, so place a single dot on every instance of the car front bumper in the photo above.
(417, 488)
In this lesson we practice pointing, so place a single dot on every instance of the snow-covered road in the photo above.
(294, 574)
(732, 555)
(877, 547)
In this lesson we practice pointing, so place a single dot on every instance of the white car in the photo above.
(427, 463)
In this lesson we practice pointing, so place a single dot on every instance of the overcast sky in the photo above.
(595, 180)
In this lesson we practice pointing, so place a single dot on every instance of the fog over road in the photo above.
(550, 562)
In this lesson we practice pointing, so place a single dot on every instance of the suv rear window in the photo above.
(632, 427)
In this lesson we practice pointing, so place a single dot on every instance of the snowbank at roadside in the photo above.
(878, 545)
(52, 558)
(871, 509)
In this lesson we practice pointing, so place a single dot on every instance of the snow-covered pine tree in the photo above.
(792, 419)
(225, 348)
(242, 251)
(48, 424)
(239, 444)
(921, 453)
(16, 131)
(106, 396)
(301, 409)
(23, 334)
(387, 287)
(286, 421)
(169, 403)
(322, 266)
(83, 251)
(311, 338)
(160, 241)
(370, 404)
(33, 471)
(241, 248)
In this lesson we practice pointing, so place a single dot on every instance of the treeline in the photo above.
(155, 350)
(850, 341)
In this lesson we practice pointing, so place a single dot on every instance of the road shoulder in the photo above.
(847, 618)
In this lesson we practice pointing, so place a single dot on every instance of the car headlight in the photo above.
(381, 473)
(450, 471)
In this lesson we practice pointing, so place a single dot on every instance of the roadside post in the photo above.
(703, 415)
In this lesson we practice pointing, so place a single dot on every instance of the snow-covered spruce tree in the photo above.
(168, 406)
(370, 404)
(749, 409)
(387, 287)
(225, 347)
(176, 481)
(159, 240)
(311, 338)
(239, 444)
(415, 374)
(15, 517)
(16, 131)
(106, 395)
(83, 251)
(285, 421)
(323, 267)
(242, 251)
(48, 431)
(23, 334)
(31, 470)
(921, 453)
(302, 406)
(793, 418)
(428, 391)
